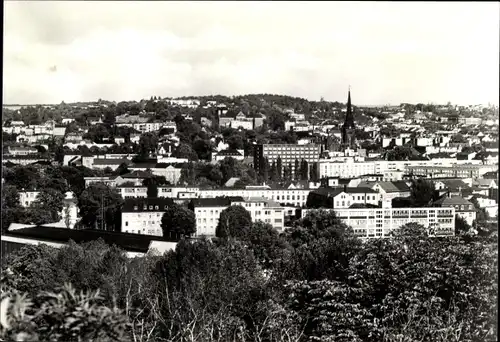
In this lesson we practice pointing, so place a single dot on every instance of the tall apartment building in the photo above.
(381, 223)
(288, 154)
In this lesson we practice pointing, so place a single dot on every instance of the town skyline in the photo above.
(399, 53)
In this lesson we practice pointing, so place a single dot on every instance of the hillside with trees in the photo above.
(314, 282)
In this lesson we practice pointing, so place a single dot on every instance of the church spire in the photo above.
(348, 126)
(349, 119)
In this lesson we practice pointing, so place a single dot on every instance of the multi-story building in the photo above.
(293, 197)
(350, 168)
(143, 216)
(221, 155)
(388, 190)
(288, 153)
(26, 198)
(454, 171)
(462, 207)
(21, 151)
(342, 197)
(264, 210)
(69, 213)
(208, 210)
(381, 223)
(132, 191)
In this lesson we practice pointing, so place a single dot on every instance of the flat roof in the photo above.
(126, 241)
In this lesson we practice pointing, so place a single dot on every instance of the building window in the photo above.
(126, 223)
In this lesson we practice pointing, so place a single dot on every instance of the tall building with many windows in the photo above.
(288, 153)
(382, 223)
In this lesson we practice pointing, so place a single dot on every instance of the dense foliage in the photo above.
(315, 282)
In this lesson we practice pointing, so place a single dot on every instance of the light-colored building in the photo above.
(21, 151)
(455, 171)
(143, 216)
(342, 197)
(462, 207)
(208, 210)
(221, 155)
(382, 223)
(294, 197)
(26, 198)
(388, 190)
(132, 191)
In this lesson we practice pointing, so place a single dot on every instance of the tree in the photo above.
(265, 242)
(10, 197)
(234, 222)
(50, 203)
(185, 151)
(461, 226)
(100, 207)
(178, 221)
(296, 175)
(422, 192)
(148, 143)
(273, 173)
(122, 169)
(279, 168)
(287, 173)
(304, 170)
(314, 172)
(152, 186)
(203, 149)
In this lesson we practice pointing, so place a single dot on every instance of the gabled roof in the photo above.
(453, 184)
(453, 200)
(105, 161)
(137, 174)
(212, 202)
(333, 192)
(229, 152)
(480, 182)
(138, 204)
(231, 182)
(397, 186)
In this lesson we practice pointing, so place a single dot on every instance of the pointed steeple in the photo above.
(349, 119)
(348, 126)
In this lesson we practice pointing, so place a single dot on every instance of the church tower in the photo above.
(348, 138)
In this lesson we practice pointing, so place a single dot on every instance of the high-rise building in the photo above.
(287, 153)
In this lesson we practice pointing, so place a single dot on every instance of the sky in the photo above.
(387, 52)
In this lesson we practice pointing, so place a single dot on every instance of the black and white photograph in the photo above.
(261, 171)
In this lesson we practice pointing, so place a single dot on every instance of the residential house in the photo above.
(342, 197)
(131, 190)
(73, 138)
(388, 190)
(463, 208)
(235, 154)
(21, 150)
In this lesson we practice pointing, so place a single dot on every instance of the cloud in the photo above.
(387, 52)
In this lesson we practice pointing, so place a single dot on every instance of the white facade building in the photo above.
(381, 223)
